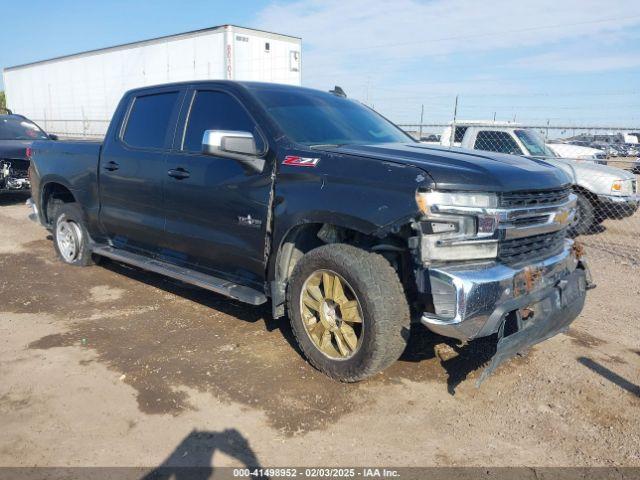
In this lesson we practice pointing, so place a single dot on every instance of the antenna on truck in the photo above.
(338, 91)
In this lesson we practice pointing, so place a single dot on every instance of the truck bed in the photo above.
(70, 159)
(71, 163)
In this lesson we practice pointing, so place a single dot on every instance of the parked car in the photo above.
(432, 138)
(603, 192)
(614, 151)
(314, 201)
(632, 149)
(17, 133)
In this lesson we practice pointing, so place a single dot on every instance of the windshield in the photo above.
(316, 118)
(534, 143)
(14, 128)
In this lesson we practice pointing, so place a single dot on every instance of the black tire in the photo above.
(586, 218)
(71, 215)
(385, 312)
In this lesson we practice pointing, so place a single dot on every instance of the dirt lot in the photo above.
(109, 365)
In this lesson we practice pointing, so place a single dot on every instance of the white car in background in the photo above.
(603, 192)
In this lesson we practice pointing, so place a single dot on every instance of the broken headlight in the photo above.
(457, 225)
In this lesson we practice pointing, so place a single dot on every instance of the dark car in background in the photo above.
(17, 133)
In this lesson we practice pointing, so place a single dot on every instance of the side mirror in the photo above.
(52, 136)
(225, 142)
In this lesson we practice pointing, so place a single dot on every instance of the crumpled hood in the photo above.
(14, 149)
(462, 169)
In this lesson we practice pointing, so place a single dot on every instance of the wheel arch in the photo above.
(592, 197)
(305, 236)
(54, 189)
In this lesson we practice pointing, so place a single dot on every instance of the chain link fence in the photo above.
(602, 162)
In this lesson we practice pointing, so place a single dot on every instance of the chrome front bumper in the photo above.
(482, 295)
(630, 199)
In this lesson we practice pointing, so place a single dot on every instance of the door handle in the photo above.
(111, 166)
(179, 173)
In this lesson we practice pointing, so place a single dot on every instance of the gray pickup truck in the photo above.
(320, 206)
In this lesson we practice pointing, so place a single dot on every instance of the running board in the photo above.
(214, 284)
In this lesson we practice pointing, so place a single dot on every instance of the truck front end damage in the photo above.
(499, 264)
(14, 175)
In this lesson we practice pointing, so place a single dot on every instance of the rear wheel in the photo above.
(70, 238)
(348, 311)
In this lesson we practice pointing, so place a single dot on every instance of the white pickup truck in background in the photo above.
(603, 192)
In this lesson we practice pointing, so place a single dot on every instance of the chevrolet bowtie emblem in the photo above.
(562, 217)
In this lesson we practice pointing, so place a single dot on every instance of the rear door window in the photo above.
(496, 141)
(149, 120)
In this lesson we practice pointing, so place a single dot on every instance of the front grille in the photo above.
(536, 198)
(531, 248)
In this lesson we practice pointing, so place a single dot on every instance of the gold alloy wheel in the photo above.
(331, 314)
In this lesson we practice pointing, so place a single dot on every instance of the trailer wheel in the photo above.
(348, 311)
(70, 237)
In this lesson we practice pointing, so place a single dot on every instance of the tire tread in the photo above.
(385, 292)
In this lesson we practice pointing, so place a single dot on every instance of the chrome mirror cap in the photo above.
(216, 142)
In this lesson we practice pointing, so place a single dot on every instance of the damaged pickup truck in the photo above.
(16, 136)
(316, 203)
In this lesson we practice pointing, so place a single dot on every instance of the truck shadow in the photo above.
(458, 361)
(13, 198)
(193, 458)
(195, 294)
(168, 339)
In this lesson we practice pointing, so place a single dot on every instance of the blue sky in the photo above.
(567, 62)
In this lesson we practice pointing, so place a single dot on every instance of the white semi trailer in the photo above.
(76, 95)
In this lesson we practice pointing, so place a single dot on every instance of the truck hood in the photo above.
(462, 169)
(14, 149)
(567, 150)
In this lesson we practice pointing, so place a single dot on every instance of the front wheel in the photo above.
(348, 311)
(70, 237)
(585, 219)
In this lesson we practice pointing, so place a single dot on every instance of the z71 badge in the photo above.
(300, 161)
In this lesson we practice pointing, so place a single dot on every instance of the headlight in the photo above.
(622, 187)
(455, 199)
(457, 225)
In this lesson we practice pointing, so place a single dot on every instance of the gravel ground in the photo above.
(112, 366)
